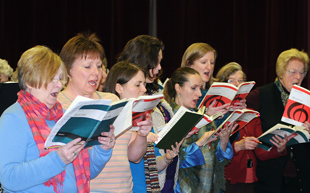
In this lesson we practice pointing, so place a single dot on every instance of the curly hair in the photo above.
(5, 68)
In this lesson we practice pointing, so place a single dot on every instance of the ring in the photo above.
(279, 143)
(74, 153)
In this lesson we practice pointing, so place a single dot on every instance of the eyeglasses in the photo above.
(232, 81)
(292, 72)
(56, 80)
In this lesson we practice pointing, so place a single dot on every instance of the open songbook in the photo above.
(300, 135)
(87, 118)
(225, 93)
(180, 125)
(297, 109)
(134, 112)
(240, 117)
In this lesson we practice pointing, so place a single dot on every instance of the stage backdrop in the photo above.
(252, 33)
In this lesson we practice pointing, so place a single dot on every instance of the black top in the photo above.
(267, 100)
(8, 95)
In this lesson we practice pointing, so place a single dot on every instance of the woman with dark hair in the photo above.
(127, 80)
(183, 89)
(147, 52)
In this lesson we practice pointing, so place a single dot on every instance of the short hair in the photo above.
(5, 68)
(195, 52)
(38, 66)
(227, 70)
(120, 73)
(179, 76)
(143, 50)
(289, 55)
(14, 77)
(81, 45)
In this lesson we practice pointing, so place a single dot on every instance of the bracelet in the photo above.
(165, 159)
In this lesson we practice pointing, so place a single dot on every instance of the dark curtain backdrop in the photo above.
(252, 33)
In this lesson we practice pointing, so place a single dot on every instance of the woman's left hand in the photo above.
(226, 131)
(280, 143)
(225, 134)
(239, 105)
(108, 139)
(145, 126)
(170, 154)
(152, 137)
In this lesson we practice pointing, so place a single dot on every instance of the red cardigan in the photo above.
(236, 170)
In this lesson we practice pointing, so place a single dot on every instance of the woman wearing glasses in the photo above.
(290, 173)
(240, 172)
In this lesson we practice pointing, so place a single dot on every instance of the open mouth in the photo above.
(206, 73)
(92, 83)
(54, 94)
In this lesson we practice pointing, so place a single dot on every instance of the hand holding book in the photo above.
(213, 109)
(71, 150)
(145, 126)
(238, 105)
(225, 133)
(107, 139)
(291, 135)
(280, 143)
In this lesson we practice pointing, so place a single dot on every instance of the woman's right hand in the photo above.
(247, 143)
(213, 110)
(71, 150)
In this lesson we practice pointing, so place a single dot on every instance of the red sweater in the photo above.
(236, 170)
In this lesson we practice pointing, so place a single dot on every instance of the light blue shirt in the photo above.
(21, 168)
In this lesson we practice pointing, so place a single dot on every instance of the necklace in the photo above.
(71, 100)
(66, 96)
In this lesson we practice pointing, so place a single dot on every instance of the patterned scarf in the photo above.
(150, 167)
(36, 113)
(284, 93)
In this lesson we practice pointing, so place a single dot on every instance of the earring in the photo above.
(179, 95)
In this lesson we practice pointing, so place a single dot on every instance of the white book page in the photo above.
(124, 121)
(223, 89)
(245, 87)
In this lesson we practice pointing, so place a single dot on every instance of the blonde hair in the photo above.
(195, 52)
(14, 77)
(289, 55)
(38, 66)
(5, 68)
(227, 70)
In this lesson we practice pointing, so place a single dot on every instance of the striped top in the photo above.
(116, 175)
